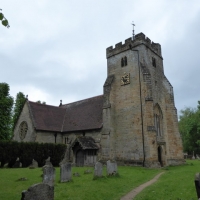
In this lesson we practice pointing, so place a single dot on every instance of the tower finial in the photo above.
(133, 30)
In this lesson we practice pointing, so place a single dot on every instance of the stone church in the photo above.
(134, 122)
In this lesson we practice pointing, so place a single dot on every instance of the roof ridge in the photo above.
(40, 104)
(82, 100)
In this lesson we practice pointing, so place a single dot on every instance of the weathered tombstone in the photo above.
(34, 164)
(193, 157)
(38, 191)
(65, 171)
(197, 184)
(48, 162)
(49, 175)
(111, 168)
(17, 164)
(98, 169)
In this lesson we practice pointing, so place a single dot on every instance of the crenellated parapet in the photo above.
(130, 43)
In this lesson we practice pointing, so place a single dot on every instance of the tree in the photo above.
(6, 103)
(40, 102)
(19, 103)
(189, 126)
(4, 20)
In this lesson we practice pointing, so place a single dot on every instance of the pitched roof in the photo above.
(46, 117)
(83, 115)
(85, 142)
(77, 116)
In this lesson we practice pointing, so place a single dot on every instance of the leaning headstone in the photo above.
(34, 164)
(17, 164)
(111, 168)
(98, 169)
(38, 191)
(49, 175)
(65, 171)
(197, 184)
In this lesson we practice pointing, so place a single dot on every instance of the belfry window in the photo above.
(124, 61)
(153, 61)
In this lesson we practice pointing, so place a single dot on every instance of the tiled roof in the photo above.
(83, 115)
(77, 116)
(46, 117)
(86, 142)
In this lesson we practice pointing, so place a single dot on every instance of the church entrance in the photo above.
(160, 156)
(80, 158)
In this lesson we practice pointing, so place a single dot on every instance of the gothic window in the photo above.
(153, 61)
(125, 61)
(158, 120)
(122, 62)
(23, 128)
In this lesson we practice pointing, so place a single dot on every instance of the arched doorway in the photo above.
(160, 156)
(79, 158)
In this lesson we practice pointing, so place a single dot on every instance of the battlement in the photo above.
(139, 39)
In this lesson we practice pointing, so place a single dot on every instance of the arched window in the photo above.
(125, 61)
(122, 62)
(158, 120)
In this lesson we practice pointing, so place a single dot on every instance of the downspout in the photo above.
(141, 108)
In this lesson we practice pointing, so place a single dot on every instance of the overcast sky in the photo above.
(57, 49)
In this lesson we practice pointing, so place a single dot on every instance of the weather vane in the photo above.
(133, 30)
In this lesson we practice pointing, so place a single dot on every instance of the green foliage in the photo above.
(189, 126)
(4, 20)
(41, 102)
(19, 103)
(27, 151)
(6, 103)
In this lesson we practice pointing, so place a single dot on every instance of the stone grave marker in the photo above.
(48, 162)
(65, 171)
(17, 164)
(34, 164)
(111, 168)
(98, 169)
(38, 191)
(49, 175)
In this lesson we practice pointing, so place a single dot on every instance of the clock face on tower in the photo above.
(125, 79)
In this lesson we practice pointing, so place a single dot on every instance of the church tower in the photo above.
(140, 125)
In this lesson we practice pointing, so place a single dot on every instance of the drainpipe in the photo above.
(141, 108)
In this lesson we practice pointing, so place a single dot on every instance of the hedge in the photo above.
(27, 151)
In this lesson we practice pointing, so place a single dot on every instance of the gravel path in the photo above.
(138, 189)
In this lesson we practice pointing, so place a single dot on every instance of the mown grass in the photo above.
(176, 184)
(80, 188)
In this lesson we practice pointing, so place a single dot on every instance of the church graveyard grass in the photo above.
(176, 183)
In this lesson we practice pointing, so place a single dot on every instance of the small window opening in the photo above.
(153, 61)
(125, 61)
(122, 62)
(55, 135)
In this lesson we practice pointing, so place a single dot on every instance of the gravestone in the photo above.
(197, 184)
(38, 191)
(34, 164)
(65, 171)
(98, 169)
(17, 164)
(48, 162)
(111, 168)
(49, 175)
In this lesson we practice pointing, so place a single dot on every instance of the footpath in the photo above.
(131, 195)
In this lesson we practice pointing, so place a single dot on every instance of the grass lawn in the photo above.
(177, 183)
